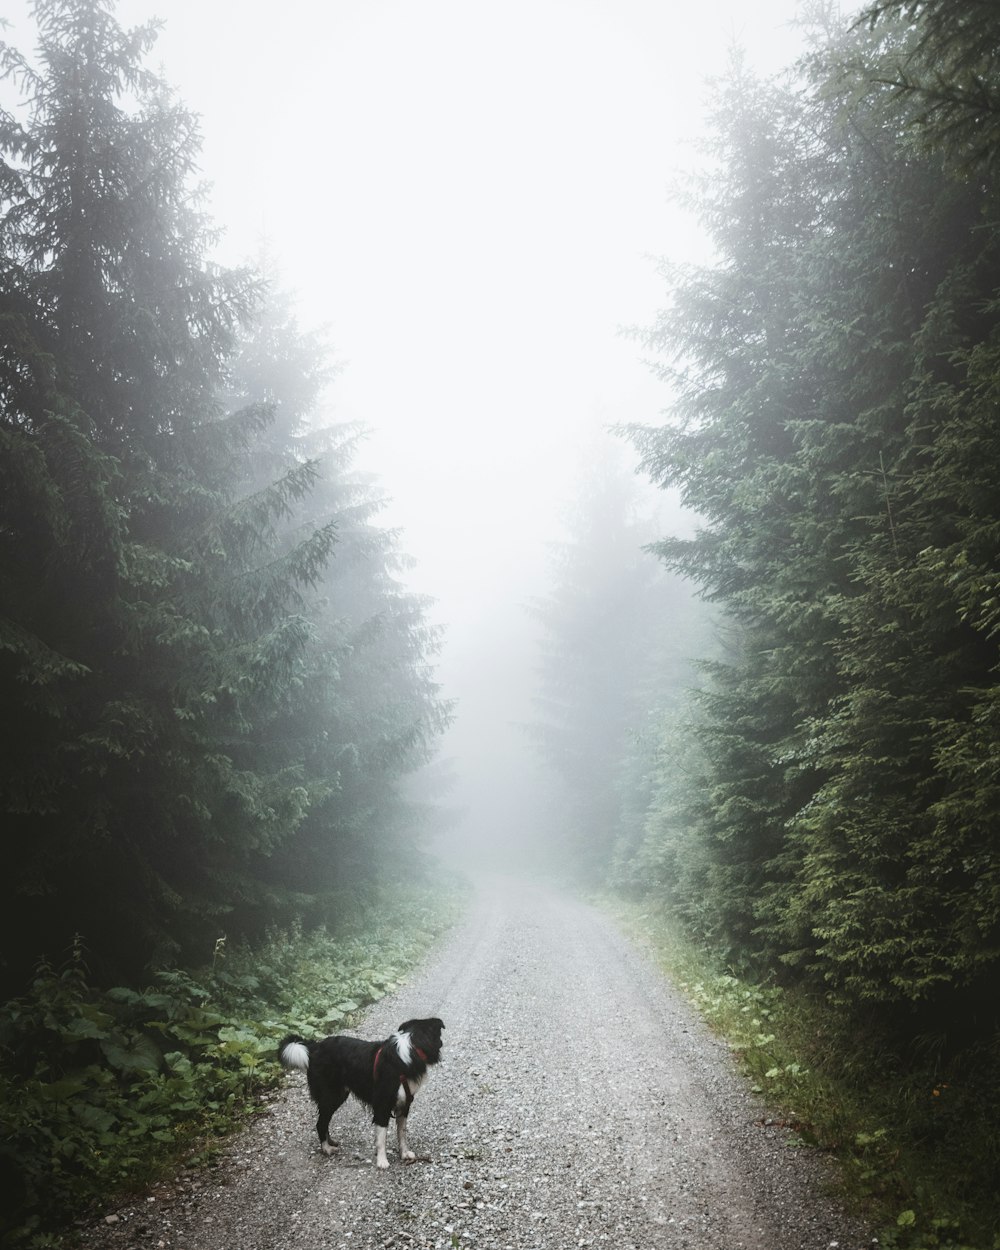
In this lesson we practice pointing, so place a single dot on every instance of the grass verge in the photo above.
(917, 1139)
(106, 1091)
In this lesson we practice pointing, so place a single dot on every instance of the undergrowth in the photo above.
(918, 1141)
(104, 1091)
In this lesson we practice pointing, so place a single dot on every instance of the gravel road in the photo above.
(579, 1102)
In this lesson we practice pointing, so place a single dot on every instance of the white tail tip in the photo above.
(295, 1055)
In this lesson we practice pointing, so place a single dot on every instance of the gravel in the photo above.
(579, 1102)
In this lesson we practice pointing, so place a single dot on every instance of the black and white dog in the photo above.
(383, 1075)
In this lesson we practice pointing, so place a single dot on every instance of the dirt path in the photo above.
(579, 1103)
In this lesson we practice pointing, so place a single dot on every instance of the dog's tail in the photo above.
(294, 1052)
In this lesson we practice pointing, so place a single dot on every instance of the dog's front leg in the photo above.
(405, 1153)
(381, 1159)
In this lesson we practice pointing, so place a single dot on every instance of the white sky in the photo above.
(467, 192)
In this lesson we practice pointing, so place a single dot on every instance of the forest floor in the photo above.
(579, 1102)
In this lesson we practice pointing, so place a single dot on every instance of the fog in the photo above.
(468, 195)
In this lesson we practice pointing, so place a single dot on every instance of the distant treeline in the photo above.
(211, 678)
(828, 809)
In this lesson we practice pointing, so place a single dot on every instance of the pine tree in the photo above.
(734, 340)
(146, 618)
(834, 374)
(364, 711)
(611, 658)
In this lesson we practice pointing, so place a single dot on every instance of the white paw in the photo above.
(382, 1163)
(407, 1156)
(327, 1147)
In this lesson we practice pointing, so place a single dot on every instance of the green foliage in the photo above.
(102, 1090)
(947, 75)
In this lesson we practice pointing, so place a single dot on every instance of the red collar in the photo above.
(378, 1055)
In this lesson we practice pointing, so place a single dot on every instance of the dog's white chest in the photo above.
(408, 1091)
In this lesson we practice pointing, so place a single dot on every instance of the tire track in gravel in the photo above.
(579, 1102)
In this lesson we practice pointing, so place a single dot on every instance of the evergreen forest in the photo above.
(835, 429)
(777, 731)
(214, 681)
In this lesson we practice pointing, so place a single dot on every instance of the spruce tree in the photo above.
(832, 373)
(363, 712)
(612, 656)
(146, 618)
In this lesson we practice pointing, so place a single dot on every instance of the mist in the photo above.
(556, 438)
(466, 205)
(468, 198)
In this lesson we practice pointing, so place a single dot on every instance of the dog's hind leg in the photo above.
(405, 1153)
(326, 1109)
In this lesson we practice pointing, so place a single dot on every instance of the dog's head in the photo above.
(425, 1035)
